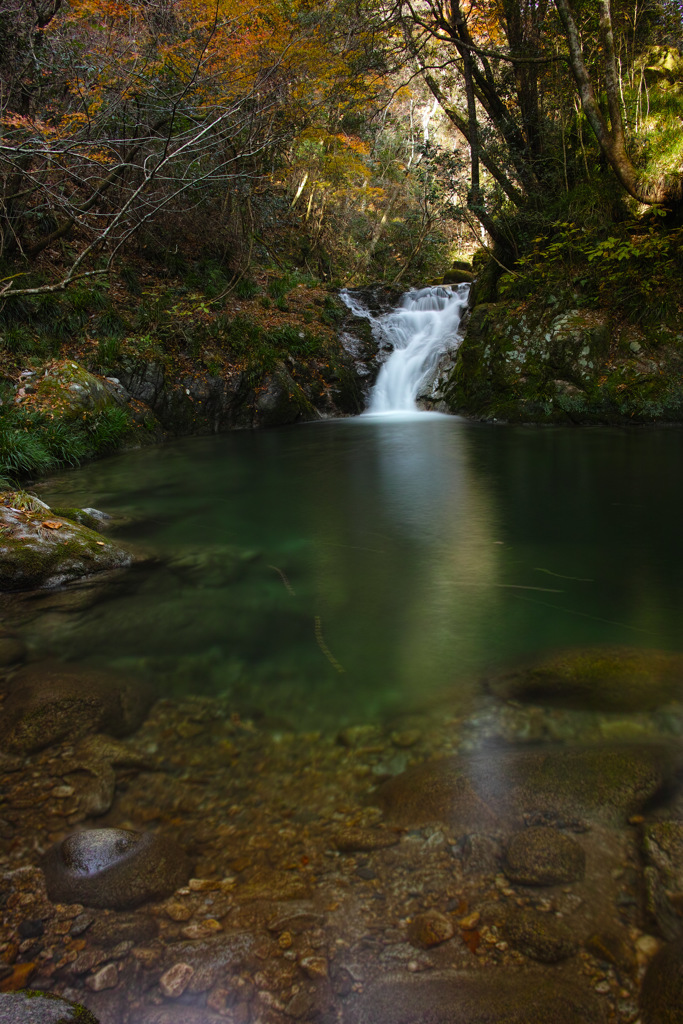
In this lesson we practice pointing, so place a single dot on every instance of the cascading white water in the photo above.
(419, 331)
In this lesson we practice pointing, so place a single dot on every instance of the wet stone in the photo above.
(430, 929)
(540, 936)
(175, 980)
(661, 995)
(107, 977)
(543, 856)
(453, 997)
(114, 868)
(41, 1008)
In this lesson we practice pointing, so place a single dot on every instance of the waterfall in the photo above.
(419, 331)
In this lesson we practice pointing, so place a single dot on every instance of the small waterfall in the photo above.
(419, 331)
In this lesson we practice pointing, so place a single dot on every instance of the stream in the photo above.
(352, 803)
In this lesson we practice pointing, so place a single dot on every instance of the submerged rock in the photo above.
(28, 1007)
(39, 549)
(621, 679)
(48, 702)
(114, 868)
(540, 936)
(543, 856)
(450, 997)
(607, 784)
(661, 996)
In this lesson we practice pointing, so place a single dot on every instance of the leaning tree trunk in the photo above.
(611, 140)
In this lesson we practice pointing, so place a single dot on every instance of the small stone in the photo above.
(61, 792)
(203, 884)
(470, 922)
(602, 988)
(176, 979)
(80, 924)
(430, 929)
(106, 977)
(406, 739)
(314, 966)
(202, 930)
(179, 911)
(648, 946)
(358, 735)
(543, 856)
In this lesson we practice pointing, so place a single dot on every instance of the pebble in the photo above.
(175, 980)
(202, 930)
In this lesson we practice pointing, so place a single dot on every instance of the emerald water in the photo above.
(343, 571)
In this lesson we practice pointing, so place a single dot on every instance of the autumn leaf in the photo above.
(52, 524)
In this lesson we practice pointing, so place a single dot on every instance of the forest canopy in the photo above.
(357, 140)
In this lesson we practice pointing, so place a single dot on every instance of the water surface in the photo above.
(343, 571)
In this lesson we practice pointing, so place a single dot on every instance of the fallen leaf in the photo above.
(52, 524)
(18, 978)
(100, 542)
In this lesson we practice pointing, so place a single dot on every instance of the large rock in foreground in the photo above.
(39, 549)
(48, 702)
(29, 1007)
(114, 868)
(606, 784)
(661, 997)
(482, 998)
(622, 679)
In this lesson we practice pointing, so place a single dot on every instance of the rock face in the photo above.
(114, 868)
(622, 679)
(29, 1007)
(39, 549)
(663, 855)
(564, 366)
(661, 997)
(543, 856)
(607, 784)
(48, 702)
(454, 998)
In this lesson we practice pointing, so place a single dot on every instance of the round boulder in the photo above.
(540, 936)
(661, 995)
(28, 1007)
(543, 856)
(114, 868)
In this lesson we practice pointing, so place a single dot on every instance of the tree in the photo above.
(612, 137)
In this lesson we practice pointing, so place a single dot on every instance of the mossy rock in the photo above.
(457, 277)
(67, 390)
(39, 549)
(29, 1006)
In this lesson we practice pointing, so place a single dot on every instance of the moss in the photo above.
(78, 1014)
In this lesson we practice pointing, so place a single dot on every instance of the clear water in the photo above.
(342, 571)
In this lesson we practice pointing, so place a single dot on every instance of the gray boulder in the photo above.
(114, 868)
